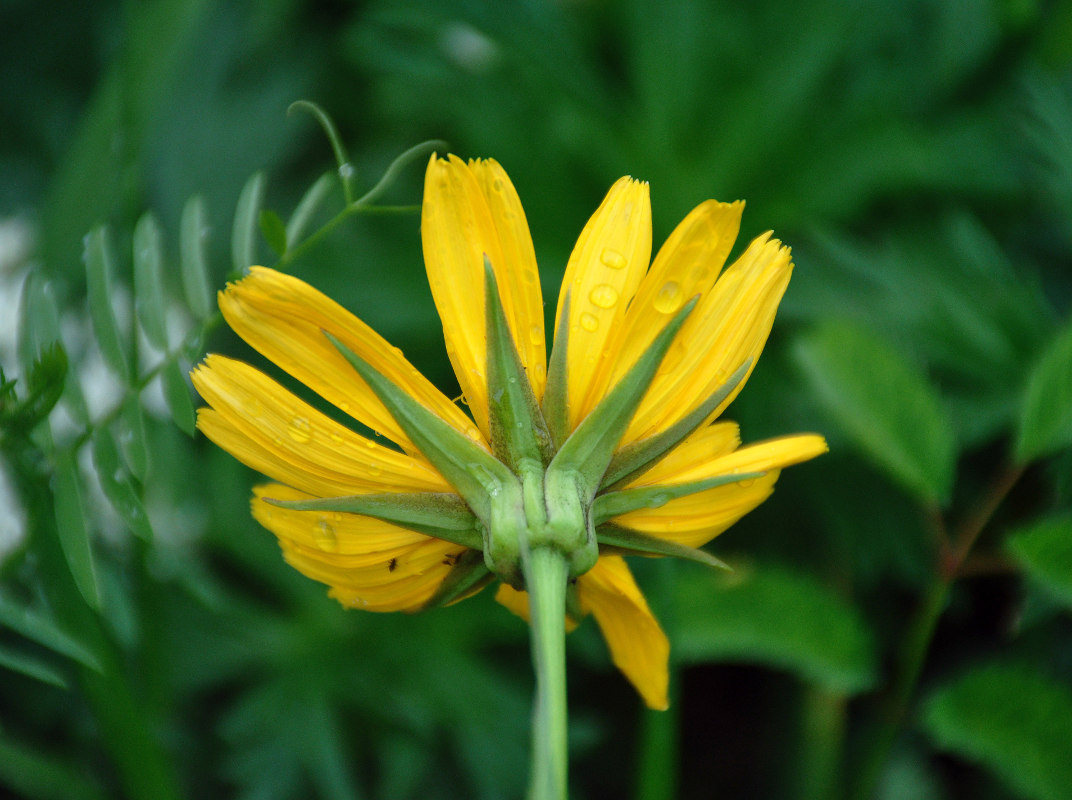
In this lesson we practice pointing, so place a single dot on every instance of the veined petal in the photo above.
(603, 273)
(469, 212)
(269, 429)
(687, 265)
(518, 276)
(637, 644)
(729, 326)
(368, 563)
(284, 318)
(777, 453)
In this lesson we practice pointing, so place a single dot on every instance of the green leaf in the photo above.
(307, 208)
(39, 321)
(1044, 550)
(273, 230)
(1046, 413)
(623, 541)
(72, 530)
(177, 395)
(31, 667)
(342, 161)
(117, 485)
(589, 449)
(246, 222)
(631, 461)
(518, 431)
(99, 269)
(613, 504)
(45, 632)
(149, 280)
(444, 516)
(770, 615)
(1015, 722)
(193, 232)
(884, 404)
(132, 438)
(476, 474)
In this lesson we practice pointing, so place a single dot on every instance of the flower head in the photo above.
(612, 448)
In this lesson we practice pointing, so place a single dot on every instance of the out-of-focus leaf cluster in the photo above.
(917, 156)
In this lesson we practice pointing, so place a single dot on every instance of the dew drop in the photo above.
(473, 433)
(497, 184)
(612, 258)
(536, 334)
(604, 296)
(589, 321)
(324, 534)
(747, 482)
(300, 430)
(375, 470)
(344, 406)
(336, 438)
(254, 407)
(668, 298)
(659, 500)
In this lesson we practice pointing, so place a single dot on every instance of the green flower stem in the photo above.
(546, 572)
(822, 739)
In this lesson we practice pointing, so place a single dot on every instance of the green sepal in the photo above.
(554, 393)
(518, 430)
(613, 504)
(476, 474)
(589, 449)
(614, 540)
(442, 515)
(632, 460)
(468, 575)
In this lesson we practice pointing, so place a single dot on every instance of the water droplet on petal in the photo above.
(254, 407)
(497, 184)
(612, 258)
(300, 430)
(536, 334)
(668, 298)
(473, 433)
(324, 535)
(604, 296)
(375, 470)
(589, 321)
(336, 438)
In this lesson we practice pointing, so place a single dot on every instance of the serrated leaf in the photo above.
(149, 280)
(38, 628)
(1015, 722)
(273, 230)
(117, 485)
(177, 395)
(307, 207)
(99, 270)
(1046, 413)
(772, 616)
(246, 223)
(31, 667)
(195, 279)
(1044, 550)
(133, 441)
(72, 530)
(885, 405)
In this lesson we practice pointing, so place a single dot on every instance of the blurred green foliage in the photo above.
(898, 625)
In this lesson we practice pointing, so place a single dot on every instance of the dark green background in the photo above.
(917, 156)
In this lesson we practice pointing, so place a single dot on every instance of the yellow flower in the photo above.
(611, 310)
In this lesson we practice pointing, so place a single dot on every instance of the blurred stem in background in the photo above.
(952, 555)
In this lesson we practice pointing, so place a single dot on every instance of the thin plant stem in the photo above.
(546, 573)
(917, 641)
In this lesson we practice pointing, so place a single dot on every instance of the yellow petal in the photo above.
(368, 563)
(729, 326)
(518, 276)
(469, 212)
(698, 518)
(695, 519)
(604, 270)
(269, 429)
(284, 319)
(637, 644)
(687, 265)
